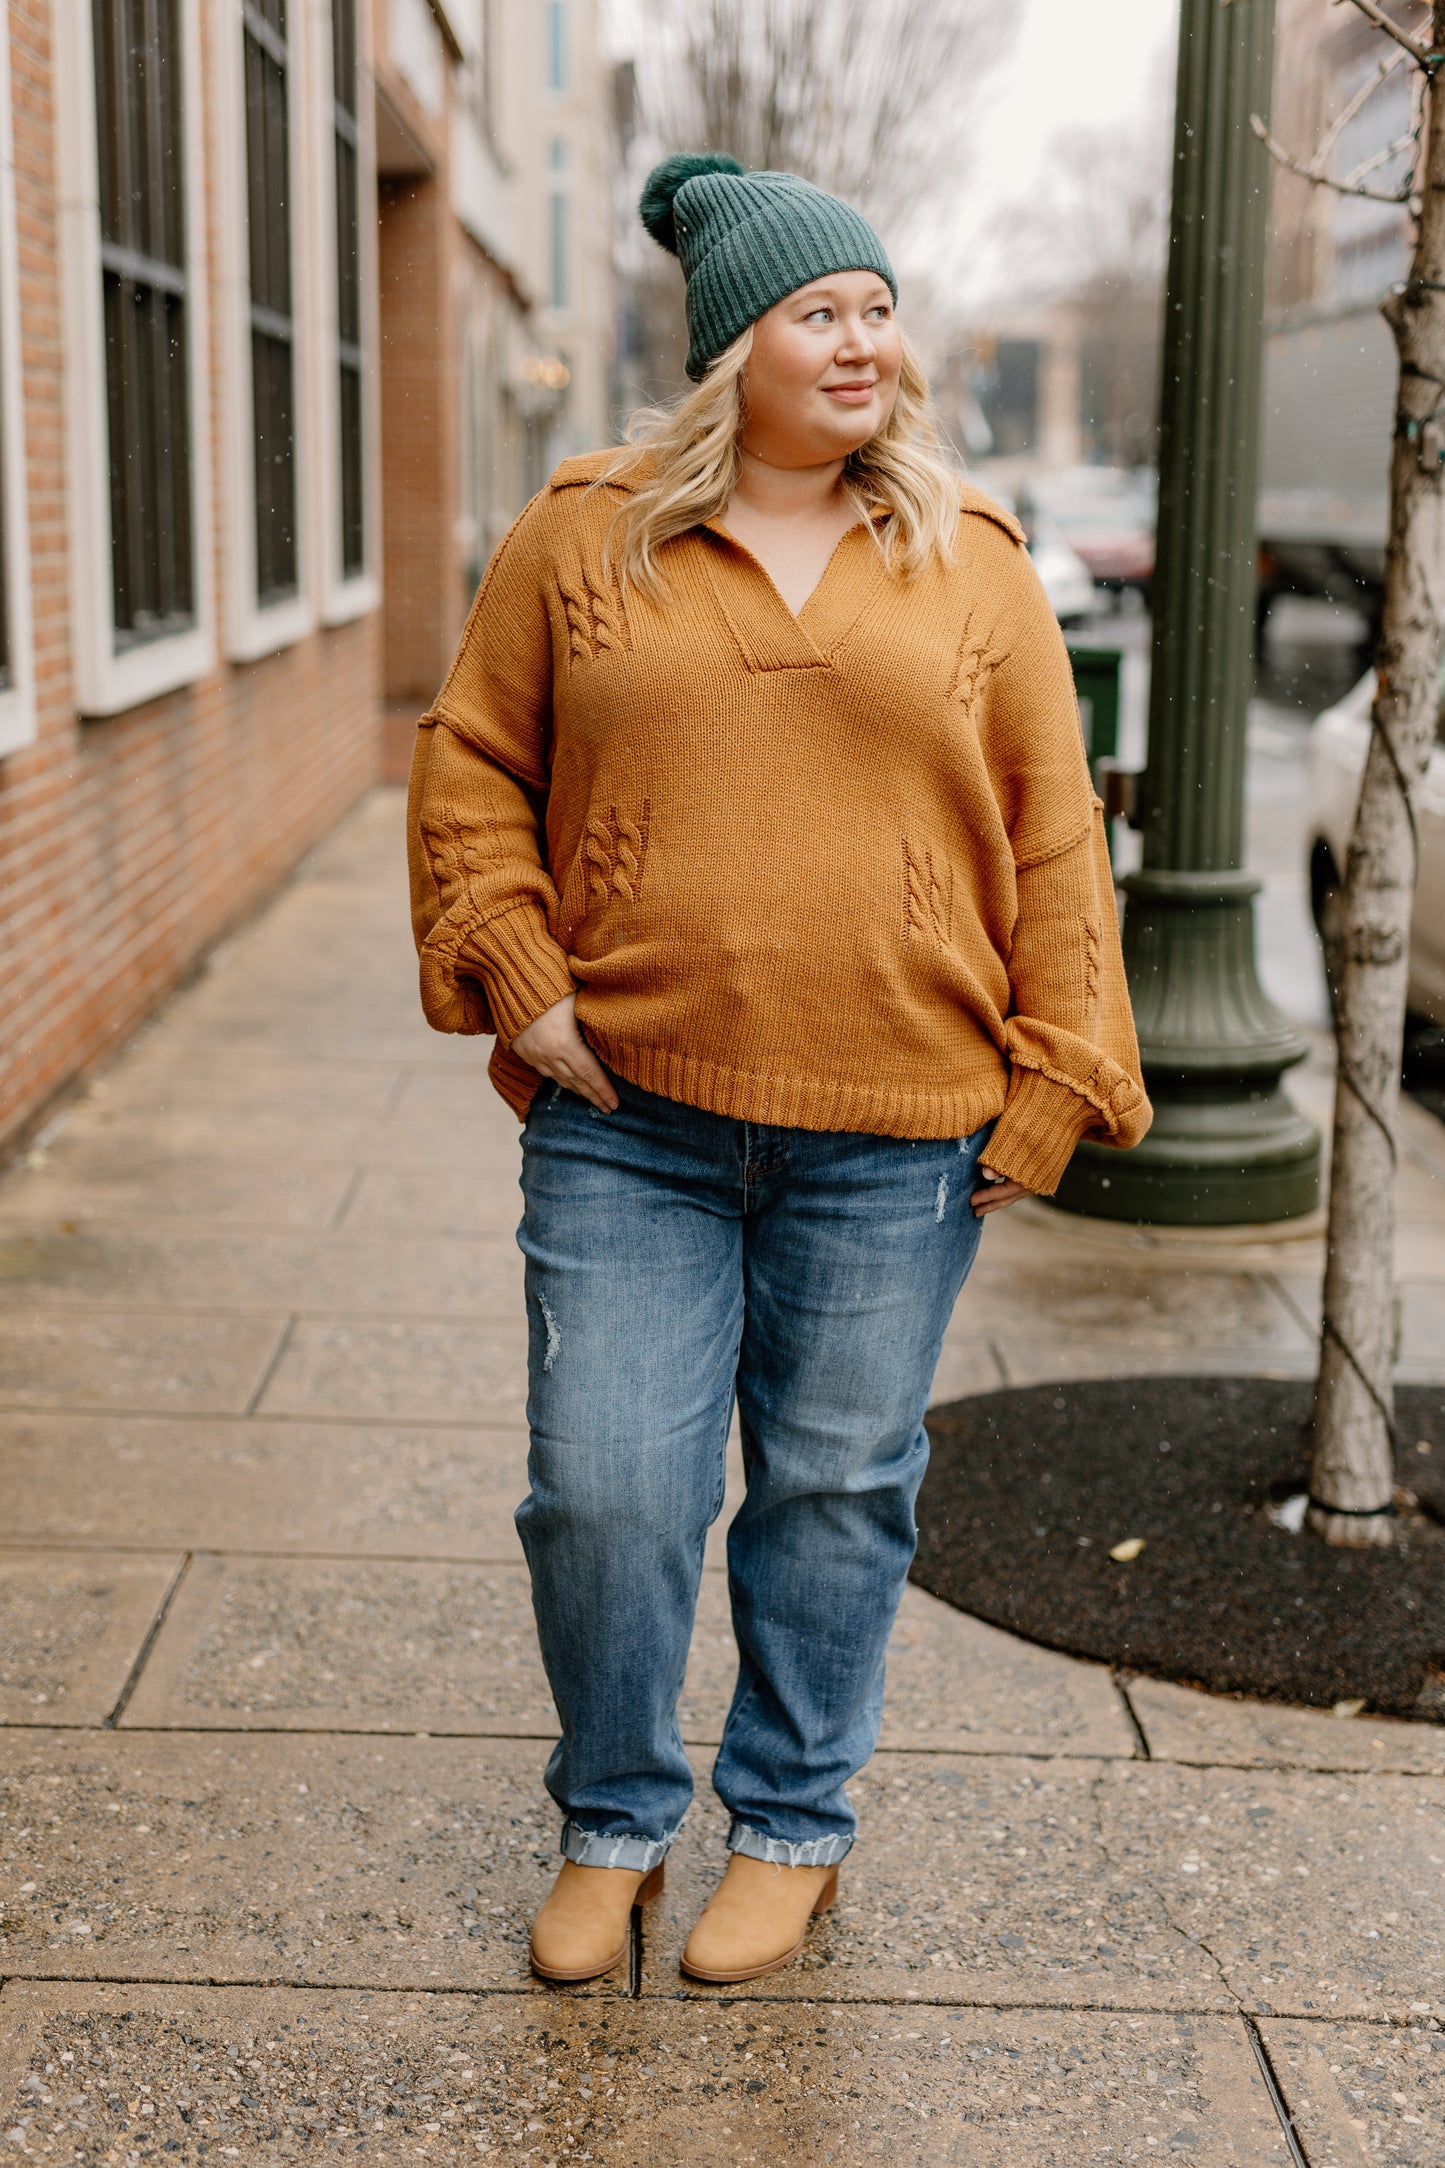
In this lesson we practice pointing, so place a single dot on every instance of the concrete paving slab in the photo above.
(350, 1006)
(294, 1114)
(429, 1104)
(307, 1643)
(412, 1370)
(977, 1878)
(1422, 1318)
(359, 1489)
(322, 1645)
(1317, 1896)
(126, 1184)
(185, 1266)
(965, 1366)
(1035, 1359)
(157, 1078)
(1035, 1226)
(445, 1199)
(1420, 1249)
(131, 1358)
(267, 2074)
(355, 1862)
(1185, 1726)
(956, 1685)
(1087, 1298)
(1362, 2093)
(71, 1628)
(366, 839)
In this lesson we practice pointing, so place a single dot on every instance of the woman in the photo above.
(754, 819)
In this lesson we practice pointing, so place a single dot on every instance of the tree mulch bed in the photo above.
(1029, 1490)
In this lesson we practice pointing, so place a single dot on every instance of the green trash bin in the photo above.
(1098, 672)
(1098, 676)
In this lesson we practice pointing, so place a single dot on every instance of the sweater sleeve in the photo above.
(1069, 1034)
(484, 907)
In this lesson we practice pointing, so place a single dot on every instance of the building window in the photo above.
(273, 328)
(17, 706)
(558, 236)
(348, 281)
(138, 97)
(556, 45)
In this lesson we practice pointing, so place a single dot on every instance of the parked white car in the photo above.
(1063, 575)
(1338, 743)
(1066, 578)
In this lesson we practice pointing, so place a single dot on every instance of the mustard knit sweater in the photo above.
(843, 870)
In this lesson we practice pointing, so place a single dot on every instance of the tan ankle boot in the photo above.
(756, 1919)
(580, 1930)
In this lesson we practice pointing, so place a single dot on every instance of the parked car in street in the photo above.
(1338, 743)
(1107, 514)
(1065, 578)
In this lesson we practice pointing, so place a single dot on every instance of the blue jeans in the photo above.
(676, 1260)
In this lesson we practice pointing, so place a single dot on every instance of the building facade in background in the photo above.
(299, 299)
(1330, 363)
(496, 302)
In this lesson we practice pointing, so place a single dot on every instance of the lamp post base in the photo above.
(1227, 1147)
(1215, 1157)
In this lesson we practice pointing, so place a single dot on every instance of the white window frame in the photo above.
(106, 683)
(344, 598)
(17, 699)
(253, 629)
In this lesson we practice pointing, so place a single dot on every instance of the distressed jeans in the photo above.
(678, 1261)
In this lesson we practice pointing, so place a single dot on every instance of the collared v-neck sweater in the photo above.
(838, 870)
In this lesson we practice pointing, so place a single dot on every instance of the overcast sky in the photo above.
(1073, 64)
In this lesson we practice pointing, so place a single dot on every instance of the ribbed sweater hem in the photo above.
(805, 1102)
(1038, 1131)
(521, 967)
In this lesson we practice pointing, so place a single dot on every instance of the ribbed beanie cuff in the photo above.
(746, 240)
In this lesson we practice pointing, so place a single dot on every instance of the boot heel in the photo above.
(826, 1894)
(650, 1887)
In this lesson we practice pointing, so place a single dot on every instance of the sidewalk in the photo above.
(273, 1821)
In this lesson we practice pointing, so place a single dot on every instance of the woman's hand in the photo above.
(997, 1193)
(553, 1044)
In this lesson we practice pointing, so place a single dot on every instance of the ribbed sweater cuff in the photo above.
(1033, 1139)
(521, 967)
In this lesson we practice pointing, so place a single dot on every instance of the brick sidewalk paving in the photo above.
(273, 1825)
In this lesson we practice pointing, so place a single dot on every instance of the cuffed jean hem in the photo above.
(595, 1848)
(815, 1852)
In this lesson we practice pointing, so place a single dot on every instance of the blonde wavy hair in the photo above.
(693, 467)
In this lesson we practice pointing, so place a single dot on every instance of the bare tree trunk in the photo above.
(1353, 1473)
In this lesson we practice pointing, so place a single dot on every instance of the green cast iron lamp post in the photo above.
(1227, 1145)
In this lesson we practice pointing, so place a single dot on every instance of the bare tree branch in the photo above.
(1357, 173)
(1317, 179)
(1420, 54)
(1355, 105)
(863, 99)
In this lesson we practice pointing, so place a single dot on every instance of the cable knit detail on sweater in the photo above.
(838, 869)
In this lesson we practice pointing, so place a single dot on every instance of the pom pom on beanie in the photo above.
(662, 184)
(745, 240)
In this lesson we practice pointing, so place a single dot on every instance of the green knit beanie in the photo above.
(746, 239)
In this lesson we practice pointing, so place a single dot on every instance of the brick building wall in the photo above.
(129, 843)
(137, 825)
